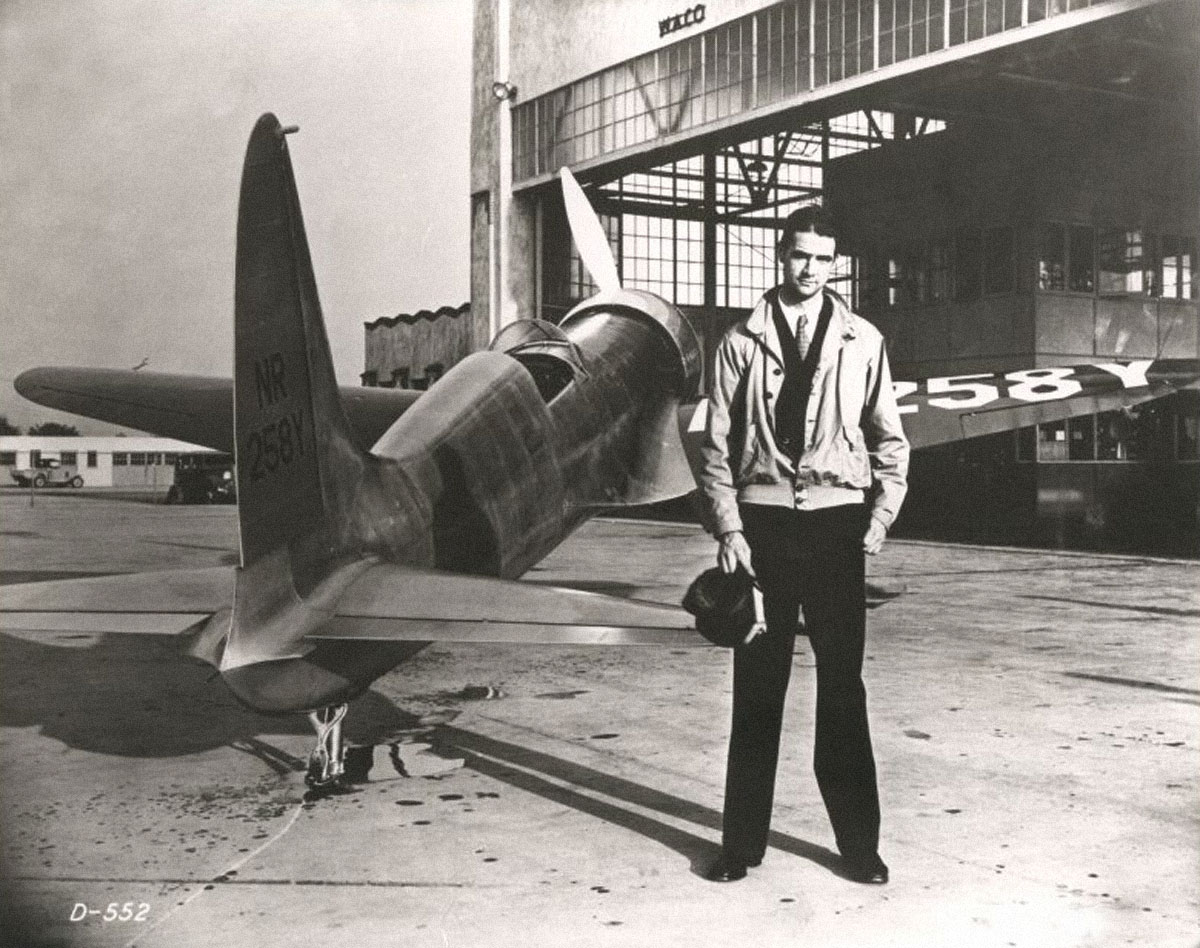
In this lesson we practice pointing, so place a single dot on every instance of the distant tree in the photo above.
(6, 428)
(55, 429)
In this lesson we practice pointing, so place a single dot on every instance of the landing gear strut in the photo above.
(326, 767)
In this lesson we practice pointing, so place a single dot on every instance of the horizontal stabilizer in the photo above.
(193, 408)
(161, 602)
(395, 604)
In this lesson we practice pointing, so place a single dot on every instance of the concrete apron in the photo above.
(1034, 717)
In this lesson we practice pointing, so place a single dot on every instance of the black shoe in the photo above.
(726, 869)
(868, 870)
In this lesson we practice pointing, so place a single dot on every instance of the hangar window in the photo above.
(92, 459)
(69, 457)
(137, 459)
(975, 19)
(1066, 258)
(665, 256)
(1176, 267)
(1081, 438)
(120, 459)
(909, 28)
(1052, 441)
(842, 39)
(908, 277)
(663, 221)
(1081, 263)
(1052, 257)
(8, 458)
(746, 259)
(1122, 264)
(783, 61)
(729, 70)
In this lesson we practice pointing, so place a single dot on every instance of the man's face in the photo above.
(807, 263)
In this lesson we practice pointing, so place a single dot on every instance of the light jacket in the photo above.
(854, 445)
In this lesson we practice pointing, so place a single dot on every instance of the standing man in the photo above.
(805, 466)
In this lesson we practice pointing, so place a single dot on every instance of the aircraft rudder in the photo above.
(291, 435)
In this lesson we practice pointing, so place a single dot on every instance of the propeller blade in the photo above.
(588, 234)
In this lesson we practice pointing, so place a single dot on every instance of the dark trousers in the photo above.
(811, 560)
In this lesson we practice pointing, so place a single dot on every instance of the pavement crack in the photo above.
(208, 885)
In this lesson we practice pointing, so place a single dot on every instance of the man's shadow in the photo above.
(137, 696)
(539, 773)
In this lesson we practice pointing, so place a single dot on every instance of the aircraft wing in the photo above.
(164, 602)
(396, 604)
(941, 410)
(192, 408)
(953, 408)
(387, 603)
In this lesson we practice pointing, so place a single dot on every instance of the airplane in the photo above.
(373, 522)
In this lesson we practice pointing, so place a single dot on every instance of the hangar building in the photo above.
(1017, 181)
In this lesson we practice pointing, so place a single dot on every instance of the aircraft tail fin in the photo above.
(297, 465)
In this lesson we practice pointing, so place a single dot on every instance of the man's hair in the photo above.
(811, 217)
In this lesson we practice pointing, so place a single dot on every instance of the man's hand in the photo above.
(734, 552)
(873, 541)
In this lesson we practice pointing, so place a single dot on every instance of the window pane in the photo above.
(91, 459)
(1112, 436)
(1176, 267)
(1082, 265)
(1082, 438)
(69, 457)
(120, 459)
(1052, 441)
(1119, 259)
(1052, 258)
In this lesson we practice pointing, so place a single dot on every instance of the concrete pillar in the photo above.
(504, 232)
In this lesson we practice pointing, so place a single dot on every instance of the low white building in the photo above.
(138, 463)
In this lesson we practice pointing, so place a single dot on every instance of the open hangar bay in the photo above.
(1035, 724)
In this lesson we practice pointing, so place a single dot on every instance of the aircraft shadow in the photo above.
(137, 696)
(536, 772)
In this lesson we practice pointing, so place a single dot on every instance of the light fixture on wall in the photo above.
(504, 91)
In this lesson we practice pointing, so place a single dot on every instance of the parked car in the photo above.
(203, 479)
(48, 472)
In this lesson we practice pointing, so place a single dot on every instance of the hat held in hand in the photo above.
(723, 604)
